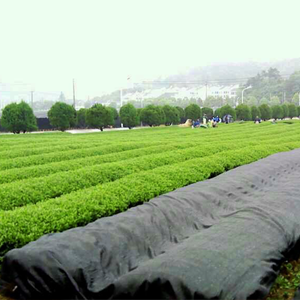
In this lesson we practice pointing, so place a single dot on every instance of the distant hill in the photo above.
(218, 73)
(235, 72)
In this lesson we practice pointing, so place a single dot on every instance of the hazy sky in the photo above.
(47, 43)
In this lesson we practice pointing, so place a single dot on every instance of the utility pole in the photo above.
(32, 99)
(206, 90)
(74, 93)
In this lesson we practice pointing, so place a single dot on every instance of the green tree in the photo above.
(218, 112)
(172, 115)
(10, 118)
(295, 99)
(251, 100)
(99, 116)
(129, 116)
(293, 112)
(277, 112)
(161, 113)
(264, 100)
(243, 112)
(285, 110)
(139, 111)
(193, 112)
(292, 85)
(298, 111)
(114, 112)
(18, 118)
(62, 116)
(265, 84)
(229, 101)
(153, 115)
(208, 112)
(27, 118)
(228, 110)
(275, 101)
(255, 112)
(212, 101)
(181, 114)
(265, 111)
(80, 118)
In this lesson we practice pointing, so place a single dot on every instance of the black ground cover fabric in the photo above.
(222, 238)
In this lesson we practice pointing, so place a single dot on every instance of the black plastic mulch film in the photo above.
(222, 238)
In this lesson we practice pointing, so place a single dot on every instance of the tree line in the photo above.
(18, 118)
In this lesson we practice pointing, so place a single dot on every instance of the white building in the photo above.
(200, 92)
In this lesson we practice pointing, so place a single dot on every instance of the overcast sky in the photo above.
(47, 43)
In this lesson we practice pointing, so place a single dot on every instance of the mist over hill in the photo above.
(234, 72)
(226, 74)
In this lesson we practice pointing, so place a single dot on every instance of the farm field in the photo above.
(56, 181)
(53, 182)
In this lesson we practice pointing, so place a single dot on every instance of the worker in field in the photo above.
(226, 119)
(196, 123)
(257, 120)
(215, 121)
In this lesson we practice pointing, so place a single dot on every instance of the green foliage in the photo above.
(153, 115)
(295, 99)
(114, 112)
(161, 114)
(102, 180)
(243, 112)
(255, 112)
(251, 101)
(228, 110)
(129, 116)
(298, 111)
(212, 101)
(10, 118)
(172, 115)
(39, 189)
(218, 112)
(292, 85)
(208, 112)
(277, 112)
(193, 112)
(274, 101)
(99, 116)
(62, 116)
(285, 109)
(264, 100)
(181, 114)
(83, 151)
(139, 111)
(18, 118)
(98, 155)
(293, 112)
(118, 192)
(80, 118)
(287, 282)
(265, 84)
(265, 111)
